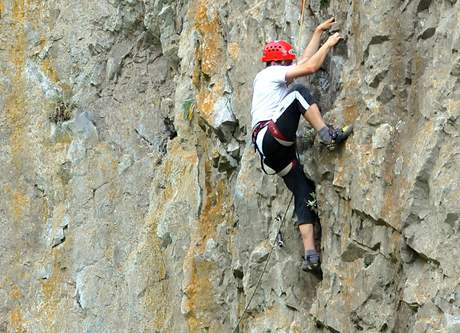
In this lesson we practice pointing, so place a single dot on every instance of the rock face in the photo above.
(132, 201)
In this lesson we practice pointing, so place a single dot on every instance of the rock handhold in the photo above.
(224, 121)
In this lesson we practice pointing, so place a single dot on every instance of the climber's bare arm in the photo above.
(313, 45)
(314, 63)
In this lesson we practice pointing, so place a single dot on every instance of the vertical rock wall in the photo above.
(132, 201)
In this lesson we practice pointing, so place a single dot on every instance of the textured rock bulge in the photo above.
(132, 201)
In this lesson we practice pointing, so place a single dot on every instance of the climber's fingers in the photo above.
(326, 25)
(333, 39)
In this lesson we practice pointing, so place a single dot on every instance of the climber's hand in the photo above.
(333, 39)
(326, 25)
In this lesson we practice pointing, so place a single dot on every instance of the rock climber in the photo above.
(276, 110)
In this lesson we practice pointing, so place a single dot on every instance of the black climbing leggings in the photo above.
(278, 156)
(304, 195)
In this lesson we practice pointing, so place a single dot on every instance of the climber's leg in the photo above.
(306, 231)
(311, 256)
(303, 190)
(313, 116)
(298, 102)
(328, 135)
(295, 104)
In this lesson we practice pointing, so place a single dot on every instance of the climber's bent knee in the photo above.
(303, 95)
(302, 90)
(297, 93)
(314, 108)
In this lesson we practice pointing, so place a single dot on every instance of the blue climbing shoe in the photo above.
(331, 137)
(311, 261)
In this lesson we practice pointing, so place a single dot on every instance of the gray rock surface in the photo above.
(132, 201)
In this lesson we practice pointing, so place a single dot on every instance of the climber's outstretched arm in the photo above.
(314, 63)
(313, 45)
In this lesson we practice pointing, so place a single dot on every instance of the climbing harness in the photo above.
(259, 126)
(275, 241)
(275, 131)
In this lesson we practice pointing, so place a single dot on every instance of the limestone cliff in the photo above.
(132, 201)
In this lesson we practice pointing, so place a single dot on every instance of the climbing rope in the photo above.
(265, 267)
(299, 42)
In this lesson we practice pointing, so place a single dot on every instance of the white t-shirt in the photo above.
(270, 88)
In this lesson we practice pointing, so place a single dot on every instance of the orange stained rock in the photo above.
(196, 72)
(50, 285)
(178, 151)
(351, 112)
(200, 292)
(53, 290)
(212, 40)
(20, 203)
(104, 161)
(233, 50)
(179, 162)
(173, 169)
(391, 210)
(200, 296)
(19, 9)
(216, 207)
(49, 70)
(29, 11)
(340, 173)
(15, 293)
(207, 98)
(393, 185)
(157, 299)
(395, 240)
(15, 102)
(349, 282)
(16, 321)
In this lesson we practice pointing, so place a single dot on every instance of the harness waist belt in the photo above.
(275, 131)
(259, 126)
(272, 127)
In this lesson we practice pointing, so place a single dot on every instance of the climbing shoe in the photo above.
(331, 137)
(311, 261)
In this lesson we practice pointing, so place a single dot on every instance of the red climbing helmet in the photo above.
(278, 50)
